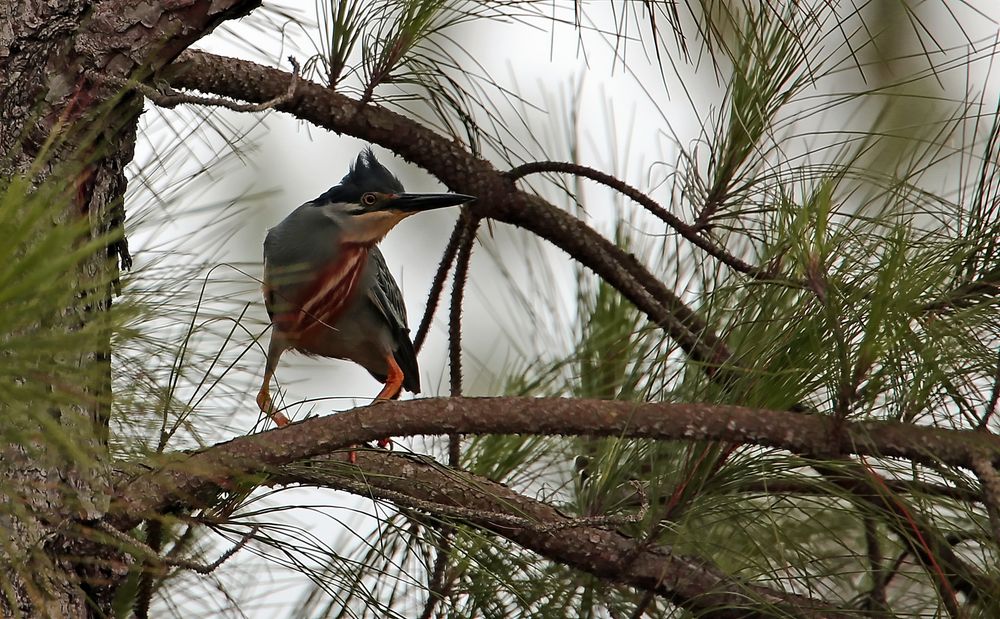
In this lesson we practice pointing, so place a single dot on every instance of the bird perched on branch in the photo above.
(327, 288)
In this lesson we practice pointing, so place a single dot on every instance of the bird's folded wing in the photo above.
(385, 294)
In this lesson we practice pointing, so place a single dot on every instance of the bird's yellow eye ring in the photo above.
(369, 199)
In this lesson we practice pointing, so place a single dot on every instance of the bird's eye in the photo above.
(369, 199)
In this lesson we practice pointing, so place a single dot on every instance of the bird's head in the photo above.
(369, 201)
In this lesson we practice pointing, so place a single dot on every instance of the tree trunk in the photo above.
(44, 91)
(64, 118)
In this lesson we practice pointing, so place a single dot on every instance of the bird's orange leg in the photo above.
(393, 385)
(265, 404)
(393, 381)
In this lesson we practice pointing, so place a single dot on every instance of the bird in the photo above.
(327, 289)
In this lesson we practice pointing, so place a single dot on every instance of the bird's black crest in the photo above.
(366, 174)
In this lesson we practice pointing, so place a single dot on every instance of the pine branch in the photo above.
(183, 481)
(690, 233)
(461, 171)
(583, 543)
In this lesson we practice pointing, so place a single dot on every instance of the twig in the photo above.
(464, 256)
(466, 235)
(928, 548)
(685, 230)
(167, 97)
(457, 293)
(437, 285)
(991, 408)
(144, 593)
(966, 294)
(437, 589)
(153, 556)
(643, 605)
(875, 599)
(811, 488)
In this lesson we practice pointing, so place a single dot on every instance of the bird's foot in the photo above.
(267, 407)
(384, 443)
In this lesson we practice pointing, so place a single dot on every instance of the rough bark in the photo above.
(184, 481)
(63, 120)
(688, 581)
(194, 481)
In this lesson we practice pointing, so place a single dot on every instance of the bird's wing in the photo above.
(385, 294)
(268, 292)
(386, 298)
(269, 282)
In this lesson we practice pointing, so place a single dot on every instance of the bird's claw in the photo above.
(266, 406)
(383, 443)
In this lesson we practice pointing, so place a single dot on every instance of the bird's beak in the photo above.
(415, 202)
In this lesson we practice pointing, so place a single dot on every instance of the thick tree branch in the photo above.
(187, 478)
(539, 527)
(171, 99)
(460, 171)
(194, 480)
(688, 581)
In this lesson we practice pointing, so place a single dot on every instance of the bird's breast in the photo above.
(330, 293)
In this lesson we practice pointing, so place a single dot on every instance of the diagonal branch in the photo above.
(688, 581)
(461, 171)
(193, 481)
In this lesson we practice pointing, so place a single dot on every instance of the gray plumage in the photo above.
(327, 288)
